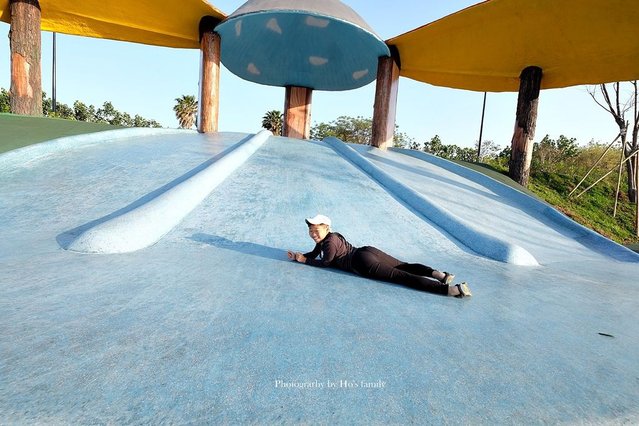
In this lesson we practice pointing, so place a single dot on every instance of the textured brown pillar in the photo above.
(209, 100)
(26, 72)
(525, 122)
(385, 101)
(297, 112)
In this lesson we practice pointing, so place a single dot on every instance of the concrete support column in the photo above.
(209, 99)
(25, 46)
(525, 122)
(297, 112)
(385, 107)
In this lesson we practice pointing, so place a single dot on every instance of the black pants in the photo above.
(371, 262)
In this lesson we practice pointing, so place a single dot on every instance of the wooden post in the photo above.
(525, 122)
(26, 72)
(209, 102)
(385, 106)
(297, 112)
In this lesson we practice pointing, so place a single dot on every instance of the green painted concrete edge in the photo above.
(633, 247)
(17, 131)
(489, 171)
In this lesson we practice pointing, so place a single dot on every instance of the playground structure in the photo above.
(144, 283)
(211, 323)
(496, 45)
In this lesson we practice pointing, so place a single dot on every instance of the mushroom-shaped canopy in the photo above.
(322, 45)
(486, 46)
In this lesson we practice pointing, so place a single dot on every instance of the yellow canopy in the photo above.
(486, 46)
(170, 23)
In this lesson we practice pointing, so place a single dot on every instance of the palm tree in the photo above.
(185, 111)
(272, 121)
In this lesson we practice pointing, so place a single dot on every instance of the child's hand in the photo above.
(297, 256)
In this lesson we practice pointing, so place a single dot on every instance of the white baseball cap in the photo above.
(318, 220)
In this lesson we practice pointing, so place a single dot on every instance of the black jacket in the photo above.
(334, 252)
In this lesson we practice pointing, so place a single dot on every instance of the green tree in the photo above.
(46, 104)
(5, 100)
(489, 150)
(185, 111)
(505, 153)
(500, 160)
(463, 154)
(549, 155)
(321, 130)
(273, 121)
(83, 112)
(108, 114)
(348, 129)
(63, 111)
(126, 120)
(139, 121)
(435, 146)
(355, 130)
(414, 145)
(402, 140)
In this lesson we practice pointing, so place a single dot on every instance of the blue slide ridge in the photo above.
(478, 241)
(146, 223)
(586, 236)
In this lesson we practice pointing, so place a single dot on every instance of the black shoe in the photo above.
(464, 290)
(448, 278)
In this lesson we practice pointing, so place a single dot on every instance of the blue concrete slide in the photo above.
(210, 323)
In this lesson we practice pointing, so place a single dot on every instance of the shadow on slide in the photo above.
(243, 247)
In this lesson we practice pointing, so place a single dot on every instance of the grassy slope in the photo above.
(17, 131)
(593, 209)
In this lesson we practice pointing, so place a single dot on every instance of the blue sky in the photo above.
(145, 80)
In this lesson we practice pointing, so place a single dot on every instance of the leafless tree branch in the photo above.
(629, 130)
(604, 91)
(593, 95)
